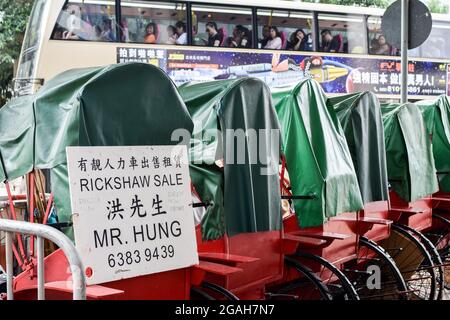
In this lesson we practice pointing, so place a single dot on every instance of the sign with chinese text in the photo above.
(132, 212)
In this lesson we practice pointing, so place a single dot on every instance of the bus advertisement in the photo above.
(337, 74)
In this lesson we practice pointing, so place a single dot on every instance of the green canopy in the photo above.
(411, 169)
(360, 117)
(437, 114)
(234, 122)
(126, 104)
(317, 155)
(16, 138)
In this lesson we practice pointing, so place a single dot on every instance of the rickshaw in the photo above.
(317, 174)
(337, 135)
(235, 155)
(118, 105)
(412, 179)
(360, 117)
(436, 115)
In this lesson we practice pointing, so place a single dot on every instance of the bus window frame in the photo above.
(313, 27)
(363, 25)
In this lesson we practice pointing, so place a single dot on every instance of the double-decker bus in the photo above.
(280, 42)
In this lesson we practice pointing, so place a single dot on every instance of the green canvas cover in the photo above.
(245, 197)
(317, 155)
(360, 117)
(117, 105)
(16, 138)
(410, 163)
(437, 114)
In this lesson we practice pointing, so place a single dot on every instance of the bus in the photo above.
(280, 42)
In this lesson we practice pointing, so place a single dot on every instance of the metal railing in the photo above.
(42, 232)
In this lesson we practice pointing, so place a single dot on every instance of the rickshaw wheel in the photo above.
(304, 286)
(437, 261)
(392, 286)
(211, 291)
(441, 240)
(337, 282)
(414, 262)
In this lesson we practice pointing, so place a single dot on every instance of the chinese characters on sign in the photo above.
(131, 210)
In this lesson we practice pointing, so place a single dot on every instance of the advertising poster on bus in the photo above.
(336, 74)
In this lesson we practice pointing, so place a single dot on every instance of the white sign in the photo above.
(131, 210)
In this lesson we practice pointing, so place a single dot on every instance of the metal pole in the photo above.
(40, 268)
(404, 50)
(9, 267)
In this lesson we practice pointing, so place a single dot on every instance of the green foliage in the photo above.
(13, 20)
(437, 6)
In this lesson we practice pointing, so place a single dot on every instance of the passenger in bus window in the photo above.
(298, 41)
(381, 46)
(107, 34)
(265, 36)
(151, 33)
(181, 33)
(171, 34)
(274, 40)
(97, 33)
(330, 43)
(242, 37)
(215, 37)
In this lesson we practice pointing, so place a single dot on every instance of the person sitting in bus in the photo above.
(107, 34)
(274, 42)
(151, 32)
(266, 36)
(298, 41)
(171, 34)
(97, 33)
(381, 47)
(330, 43)
(181, 38)
(242, 37)
(215, 37)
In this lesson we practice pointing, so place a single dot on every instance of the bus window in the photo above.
(80, 20)
(342, 33)
(154, 22)
(222, 26)
(437, 45)
(30, 45)
(294, 30)
(377, 41)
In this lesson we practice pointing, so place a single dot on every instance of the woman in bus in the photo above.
(382, 47)
(151, 33)
(298, 41)
(215, 37)
(242, 37)
(171, 34)
(181, 38)
(275, 39)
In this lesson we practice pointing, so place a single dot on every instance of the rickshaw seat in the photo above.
(303, 241)
(408, 211)
(370, 220)
(92, 292)
(441, 199)
(217, 268)
(321, 235)
(225, 258)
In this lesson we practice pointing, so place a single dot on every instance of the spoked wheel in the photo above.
(301, 284)
(414, 262)
(211, 291)
(337, 282)
(441, 240)
(435, 257)
(375, 274)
